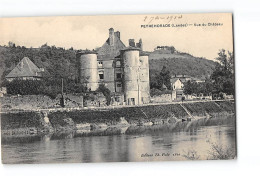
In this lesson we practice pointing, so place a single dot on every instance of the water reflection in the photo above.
(119, 144)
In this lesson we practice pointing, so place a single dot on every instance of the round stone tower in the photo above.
(89, 70)
(131, 65)
(144, 78)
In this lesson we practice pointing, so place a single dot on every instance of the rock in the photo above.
(95, 126)
(157, 122)
(148, 123)
(83, 126)
(123, 122)
(172, 120)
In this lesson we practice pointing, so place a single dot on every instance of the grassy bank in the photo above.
(21, 120)
(112, 116)
(151, 113)
(212, 108)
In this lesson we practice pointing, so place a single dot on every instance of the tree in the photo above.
(157, 79)
(192, 87)
(208, 86)
(189, 88)
(165, 77)
(223, 75)
(153, 79)
(172, 49)
(106, 92)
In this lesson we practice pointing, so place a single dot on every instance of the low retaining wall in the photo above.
(143, 115)
(162, 98)
(39, 101)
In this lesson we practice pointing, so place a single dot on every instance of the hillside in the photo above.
(182, 64)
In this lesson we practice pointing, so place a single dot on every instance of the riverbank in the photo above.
(102, 118)
(180, 126)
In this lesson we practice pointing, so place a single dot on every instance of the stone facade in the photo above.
(123, 70)
(177, 89)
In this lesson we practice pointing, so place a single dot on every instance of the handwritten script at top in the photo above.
(167, 18)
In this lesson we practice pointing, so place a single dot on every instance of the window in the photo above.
(119, 87)
(119, 75)
(118, 64)
(132, 101)
(100, 64)
(101, 75)
(117, 99)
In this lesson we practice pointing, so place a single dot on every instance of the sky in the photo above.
(81, 32)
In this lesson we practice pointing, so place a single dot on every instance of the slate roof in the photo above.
(25, 68)
(108, 52)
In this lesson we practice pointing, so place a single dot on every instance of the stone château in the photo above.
(123, 70)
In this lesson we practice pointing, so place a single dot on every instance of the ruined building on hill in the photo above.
(123, 70)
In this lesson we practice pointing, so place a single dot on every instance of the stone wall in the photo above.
(28, 102)
(161, 98)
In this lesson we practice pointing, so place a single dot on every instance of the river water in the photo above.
(156, 143)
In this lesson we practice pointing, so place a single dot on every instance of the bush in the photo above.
(46, 86)
(21, 120)
(106, 92)
(24, 87)
(191, 155)
(218, 152)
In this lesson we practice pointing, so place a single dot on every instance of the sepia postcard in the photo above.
(117, 88)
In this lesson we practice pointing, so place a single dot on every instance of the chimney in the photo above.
(140, 44)
(117, 34)
(111, 36)
(132, 42)
(21, 64)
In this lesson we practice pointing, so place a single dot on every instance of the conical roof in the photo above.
(25, 68)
